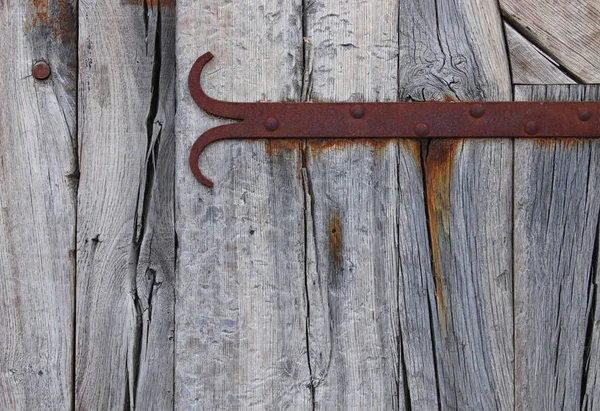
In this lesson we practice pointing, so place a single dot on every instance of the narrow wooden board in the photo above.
(241, 268)
(38, 182)
(352, 287)
(125, 225)
(455, 51)
(556, 206)
(530, 65)
(568, 31)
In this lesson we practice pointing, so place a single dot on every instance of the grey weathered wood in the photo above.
(352, 289)
(566, 30)
(125, 230)
(38, 167)
(556, 206)
(241, 300)
(530, 65)
(591, 362)
(455, 51)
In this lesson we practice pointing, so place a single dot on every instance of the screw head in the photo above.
(271, 124)
(584, 114)
(40, 70)
(357, 111)
(531, 128)
(477, 111)
(421, 129)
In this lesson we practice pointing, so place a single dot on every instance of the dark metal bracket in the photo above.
(388, 120)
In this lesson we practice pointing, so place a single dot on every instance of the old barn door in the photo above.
(454, 274)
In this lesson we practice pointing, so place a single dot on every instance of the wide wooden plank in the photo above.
(530, 65)
(455, 51)
(125, 230)
(38, 183)
(241, 269)
(352, 291)
(568, 31)
(556, 206)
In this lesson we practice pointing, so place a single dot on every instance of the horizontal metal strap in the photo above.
(540, 119)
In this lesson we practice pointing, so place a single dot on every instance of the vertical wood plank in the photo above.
(241, 304)
(38, 168)
(352, 287)
(556, 209)
(455, 51)
(125, 232)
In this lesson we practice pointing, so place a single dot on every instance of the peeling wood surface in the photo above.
(556, 206)
(38, 168)
(125, 230)
(568, 31)
(455, 51)
(530, 65)
(241, 286)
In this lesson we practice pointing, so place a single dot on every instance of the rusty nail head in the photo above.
(421, 129)
(477, 111)
(271, 124)
(357, 111)
(531, 128)
(41, 70)
(584, 114)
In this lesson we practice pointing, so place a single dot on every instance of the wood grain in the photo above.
(125, 230)
(556, 206)
(530, 65)
(38, 168)
(568, 31)
(241, 285)
(352, 289)
(455, 51)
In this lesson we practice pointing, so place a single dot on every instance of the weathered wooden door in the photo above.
(315, 275)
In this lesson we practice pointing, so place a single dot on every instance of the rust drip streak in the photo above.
(563, 142)
(335, 239)
(438, 166)
(58, 16)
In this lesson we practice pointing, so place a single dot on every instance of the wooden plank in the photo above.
(352, 286)
(530, 65)
(568, 31)
(38, 168)
(455, 51)
(241, 313)
(556, 209)
(125, 230)
(590, 391)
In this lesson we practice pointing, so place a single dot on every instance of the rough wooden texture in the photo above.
(352, 288)
(241, 301)
(530, 65)
(455, 51)
(125, 232)
(568, 31)
(556, 206)
(38, 166)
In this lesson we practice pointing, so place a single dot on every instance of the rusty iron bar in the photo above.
(541, 119)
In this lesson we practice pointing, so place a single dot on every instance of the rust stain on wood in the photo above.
(58, 16)
(438, 164)
(319, 146)
(164, 4)
(335, 238)
(279, 147)
(564, 142)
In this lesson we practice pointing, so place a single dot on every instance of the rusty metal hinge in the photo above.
(388, 120)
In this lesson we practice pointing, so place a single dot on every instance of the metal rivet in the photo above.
(421, 129)
(41, 70)
(531, 128)
(357, 111)
(271, 124)
(477, 111)
(584, 114)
